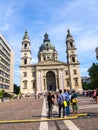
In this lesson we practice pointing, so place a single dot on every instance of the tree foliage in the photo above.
(1, 93)
(87, 86)
(16, 89)
(93, 73)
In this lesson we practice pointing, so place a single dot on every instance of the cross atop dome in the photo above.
(46, 39)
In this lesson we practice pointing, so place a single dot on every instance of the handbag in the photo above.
(53, 99)
(74, 100)
(65, 103)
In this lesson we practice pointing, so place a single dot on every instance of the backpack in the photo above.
(60, 99)
(74, 100)
(67, 97)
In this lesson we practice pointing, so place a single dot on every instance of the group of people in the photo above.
(95, 95)
(91, 93)
(64, 100)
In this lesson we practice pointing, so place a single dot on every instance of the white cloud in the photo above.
(9, 12)
(34, 60)
(88, 43)
(5, 27)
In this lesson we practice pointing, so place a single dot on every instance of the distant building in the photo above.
(6, 65)
(49, 73)
(86, 80)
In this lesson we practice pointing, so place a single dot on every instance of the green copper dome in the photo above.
(46, 44)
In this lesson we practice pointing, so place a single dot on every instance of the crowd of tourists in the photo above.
(65, 99)
(91, 93)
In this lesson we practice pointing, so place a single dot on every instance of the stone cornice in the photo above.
(52, 63)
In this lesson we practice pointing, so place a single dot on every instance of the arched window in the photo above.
(25, 61)
(76, 81)
(71, 44)
(25, 46)
(68, 82)
(34, 85)
(75, 71)
(25, 84)
(25, 74)
(73, 59)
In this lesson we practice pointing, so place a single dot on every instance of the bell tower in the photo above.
(73, 64)
(71, 49)
(25, 51)
(26, 66)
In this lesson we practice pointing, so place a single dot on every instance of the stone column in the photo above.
(56, 83)
(61, 79)
(45, 84)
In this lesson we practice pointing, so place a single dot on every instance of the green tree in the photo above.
(93, 73)
(16, 89)
(1, 93)
(86, 86)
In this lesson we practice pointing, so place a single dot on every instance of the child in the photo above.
(74, 104)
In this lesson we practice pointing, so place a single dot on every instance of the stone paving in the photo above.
(30, 108)
(87, 123)
(27, 108)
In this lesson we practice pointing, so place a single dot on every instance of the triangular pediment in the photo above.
(51, 62)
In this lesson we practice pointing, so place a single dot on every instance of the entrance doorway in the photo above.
(51, 82)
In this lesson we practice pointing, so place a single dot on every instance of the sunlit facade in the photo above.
(49, 73)
(6, 66)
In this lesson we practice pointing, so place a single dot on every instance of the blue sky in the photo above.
(53, 17)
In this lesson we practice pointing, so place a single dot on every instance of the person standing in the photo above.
(94, 94)
(60, 100)
(74, 102)
(67, 98)
(97, 96)
(50, 100)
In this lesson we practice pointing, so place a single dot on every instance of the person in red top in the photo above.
(94, 94)
(97, 96)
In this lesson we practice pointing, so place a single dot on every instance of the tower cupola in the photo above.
(69, 34)
(46, 39)
(26, 37)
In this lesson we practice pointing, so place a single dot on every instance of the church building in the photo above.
(49, 73)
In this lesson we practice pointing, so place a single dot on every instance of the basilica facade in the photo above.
(49, 73)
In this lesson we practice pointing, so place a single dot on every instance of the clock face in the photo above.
(72, 52)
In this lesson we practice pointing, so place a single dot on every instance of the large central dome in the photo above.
(46, 45)
(47, 50)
